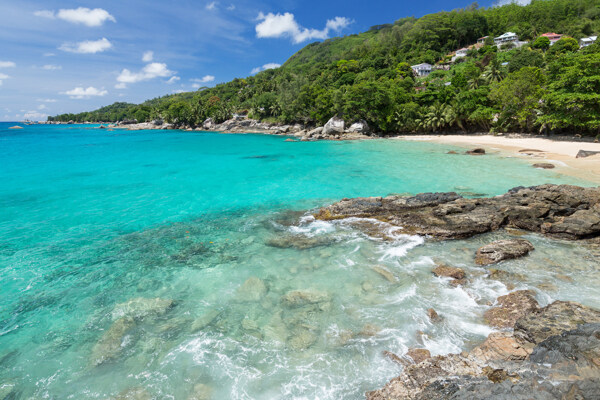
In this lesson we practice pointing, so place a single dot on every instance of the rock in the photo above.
(552, 320)
(561, 211)
(299, 242)
(16, 127)
(369, 330)
(418, 355)
(475, 152)
(135, 393)
(359, 127)
(289, 140)
(581, 345)
(254, 289)
(7, 391)
(314, 132)
(299, 298)
(205, 320)
(394, 357)
(502, 250)
(452, 152)
(586, 153)
(335, 126)
(501, 346)
(385, 273)
(510, 308)
(139, 308)
(208, 124)
(433, 315)
(531, 151)
(201, 392)
(544, 165)
(109, 345)
(449, 272)
(302, 339)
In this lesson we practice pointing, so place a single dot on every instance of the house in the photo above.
(481, 40)
(587, 41)
(508, 37)
(554, 37)
(422, 69)
(461, 53)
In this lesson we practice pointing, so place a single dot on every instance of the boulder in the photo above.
(475, 152)
(501, 346)
(581, 345)
(449, 272)
(254, 289)
(299, 298)
(552, 320)
(418, 355)
(433, 315)
(510, 308)
(359, 127)
(209, 124)
(544, 165)
(314, 132)
(502, 250)
(335, 126)
(586, 153)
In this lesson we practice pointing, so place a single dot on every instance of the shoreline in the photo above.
(561, 153)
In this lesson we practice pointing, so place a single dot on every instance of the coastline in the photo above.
(560, 153)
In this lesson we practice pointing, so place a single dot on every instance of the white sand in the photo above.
(561, 154)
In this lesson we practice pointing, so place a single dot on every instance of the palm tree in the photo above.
(493, 72)
(437, 117)
(475, 83)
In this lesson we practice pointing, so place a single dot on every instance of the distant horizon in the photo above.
(73, 57)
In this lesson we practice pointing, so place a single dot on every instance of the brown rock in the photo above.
(476, 152)
(433, 315)
(394, 357)
(531, 151)
(544, 165)
(511, 307)
(449, 272)
(385, 273)
(418, 355)
(501, 346)
(502, 250)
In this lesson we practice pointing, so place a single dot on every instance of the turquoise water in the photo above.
(158, 264)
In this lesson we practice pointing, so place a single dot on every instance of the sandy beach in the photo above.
(560, 153)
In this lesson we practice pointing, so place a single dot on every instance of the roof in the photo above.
(552, 34)
(485, 37)
(423, 65)
(506, 35)
(589, 39)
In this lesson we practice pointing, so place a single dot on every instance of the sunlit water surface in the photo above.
(153, 264)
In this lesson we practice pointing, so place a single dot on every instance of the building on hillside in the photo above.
(587, 41)
(481, 40)
(461, 53)
(422, 69)
(554, 37)
(508, 37)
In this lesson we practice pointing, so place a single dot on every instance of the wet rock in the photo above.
(369, 330)
(476, 152)
(418, 355)
(395, 358)
(110, 344)
(501, 346)
(201, 392)
(580, 345)
(433, 315)
(204, 320)
(502, 250)
(510, 308)
(562, 211)
(552, 320)
(299, 242)
(544, 165)
(449, 272)
(289, 140)
(140, 308)
(586, 153)
(253, 289)
(385, 273)
(302, 339)
(299, 298)
(135, 393)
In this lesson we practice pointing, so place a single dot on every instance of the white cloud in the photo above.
(148, 56)
(81, 15)
(178, 91)
(42, 107)
(231, 7)
(7, 64)
(35, 116)
(120, 86)
(150, 71)
(505, 2)
(3, 77)
(212, 5)
(285, 25)
(49, 54)
(46, 100)
(81, 93)
(265, 67)
(51, 67)
(173, 79)
(206, 79)
(87, 47)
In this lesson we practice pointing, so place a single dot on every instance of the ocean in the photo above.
(186, 265)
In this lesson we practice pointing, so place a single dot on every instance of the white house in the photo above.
(508, 37)
(461, 53)
(422, 69)
(587, 41)
(481, 40)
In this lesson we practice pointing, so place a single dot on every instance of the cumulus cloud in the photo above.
(35, 116)
(285, 25)
(81, 15)
(204, 79)
(87, 47)
(148, 56)
(81, 93)
(51, 67)
(211, 6)
(173, 79)
(7, 64)
(150, 71)
(505, 2)
(3, 77)
(176, 91)
(265, 67)
(42, 107)
(46, 100)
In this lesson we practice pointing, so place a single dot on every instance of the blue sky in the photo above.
(73, 56)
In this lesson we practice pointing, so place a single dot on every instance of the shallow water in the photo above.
(95, 225)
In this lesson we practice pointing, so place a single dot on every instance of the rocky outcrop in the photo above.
(359, 127)
(510, 308)
(335, 126)
(564, 211)
(475, 152)
(564, 365)
(586, 153)
(502, 250)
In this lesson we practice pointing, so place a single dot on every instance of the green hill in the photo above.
(368, 76)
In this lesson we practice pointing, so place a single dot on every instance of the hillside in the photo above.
(368, 76)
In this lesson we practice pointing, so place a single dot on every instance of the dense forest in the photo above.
(534, 88)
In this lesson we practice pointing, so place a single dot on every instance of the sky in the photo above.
(73, 56)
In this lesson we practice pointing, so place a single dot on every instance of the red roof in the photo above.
(552, 34)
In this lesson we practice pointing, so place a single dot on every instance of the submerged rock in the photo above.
(253, 289)
(110, 344)
(299, 298)
(384, 272)
(299, 242)
(135, 393)
(140, 308)
(302, 339)
(510, 308)
(201, 392)
(204, 320)
(563, 211)
(502, 250)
